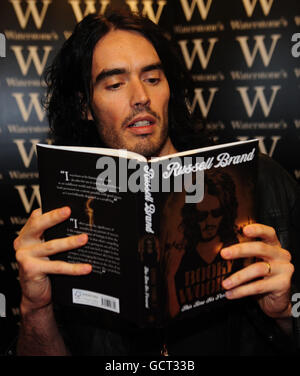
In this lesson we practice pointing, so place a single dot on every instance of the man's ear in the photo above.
(86, 114)
(86, 111)
(89, 115)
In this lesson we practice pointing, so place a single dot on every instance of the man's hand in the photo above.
(32, 255)
(269, 279)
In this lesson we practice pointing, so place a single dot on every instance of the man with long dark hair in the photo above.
(73, 117)
(117, 82)
(205, 228)
(221, 186)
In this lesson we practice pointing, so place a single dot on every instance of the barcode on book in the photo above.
(95, 299)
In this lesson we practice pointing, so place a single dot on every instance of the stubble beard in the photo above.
(144, 144)
(149, 148)
(207, 239)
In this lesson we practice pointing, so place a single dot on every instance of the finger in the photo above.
(257, 249)
(55, 246)
(274, 284)
(254, 288)
(38, 223)
(265, 233)
(19, 241)
(64, 268)
(251, 272)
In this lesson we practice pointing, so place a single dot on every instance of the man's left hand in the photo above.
(269, 279)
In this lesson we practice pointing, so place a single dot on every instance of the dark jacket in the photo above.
(239, 328)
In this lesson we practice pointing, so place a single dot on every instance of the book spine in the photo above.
(149, 251)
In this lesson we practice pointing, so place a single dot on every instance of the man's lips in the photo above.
(142, 125)
(209, 228)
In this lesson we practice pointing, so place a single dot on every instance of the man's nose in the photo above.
(139, 94)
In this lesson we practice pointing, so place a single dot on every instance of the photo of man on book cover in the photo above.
(191, 260)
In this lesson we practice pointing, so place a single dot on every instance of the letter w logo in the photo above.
(189, 9)
(32, 56)
(259, 46)
(250, 5)
(35, 195)
(198, 50)
(259, 97)
(198, 99)
(26, 157)
(31, 9)
(89, 8)
(148, 8)
(34, 103)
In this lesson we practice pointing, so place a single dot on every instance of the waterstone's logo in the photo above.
(2, 45)
(2, 305)
(296, 47)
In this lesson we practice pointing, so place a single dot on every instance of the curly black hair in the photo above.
(69, 89)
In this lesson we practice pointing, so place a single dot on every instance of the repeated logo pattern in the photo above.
(242, 54)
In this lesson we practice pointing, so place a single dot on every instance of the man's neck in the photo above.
(209, 250)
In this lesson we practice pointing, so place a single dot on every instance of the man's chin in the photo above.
(147, 148)
(208, 238)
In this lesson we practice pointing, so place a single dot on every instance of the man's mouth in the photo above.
(209, 228)
(141, 123)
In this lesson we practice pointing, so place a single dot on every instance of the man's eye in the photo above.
(153, 80)
(114, 86)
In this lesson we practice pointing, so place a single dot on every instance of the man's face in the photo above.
(209, 215)
(130, 94)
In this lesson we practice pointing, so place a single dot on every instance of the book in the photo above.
(155, 227)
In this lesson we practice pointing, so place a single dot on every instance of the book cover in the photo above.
(155, 227)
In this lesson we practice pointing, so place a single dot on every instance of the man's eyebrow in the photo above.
(108, 73)
(151, 67)
(114, 72)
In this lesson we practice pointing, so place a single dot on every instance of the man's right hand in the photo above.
(32, 255)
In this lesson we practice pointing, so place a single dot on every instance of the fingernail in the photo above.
(228, 294)
(227, 283)
(226, 252)
(86, 268)
(248, 230)
(65, 211)
(81, 239)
